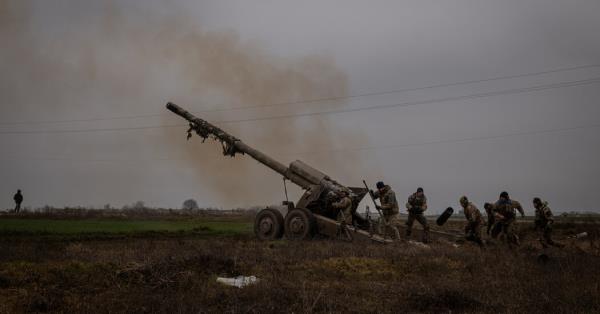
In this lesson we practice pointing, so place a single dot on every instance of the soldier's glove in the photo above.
(372, 193)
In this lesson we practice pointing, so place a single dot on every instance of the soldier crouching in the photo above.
(489, 210)
(474, 221)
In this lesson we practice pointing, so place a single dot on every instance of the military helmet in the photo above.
(380, 185)
(420, 190)
(504, 194)
(537, 201)
(463, 200)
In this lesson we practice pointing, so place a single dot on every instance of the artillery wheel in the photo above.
(300, 224)
(268, 225)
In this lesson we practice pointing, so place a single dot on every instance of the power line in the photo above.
(348, 110)
(312, 100)
(83, 120)
(410, 89)
(462, 140)
(425, 102)
(90, 160)
(366, 148)
(94, 130)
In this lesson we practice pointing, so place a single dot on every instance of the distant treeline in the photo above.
(130, 212)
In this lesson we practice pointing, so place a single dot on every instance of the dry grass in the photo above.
(177, 274)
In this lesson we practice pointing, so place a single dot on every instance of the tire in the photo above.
(443, 218)
(268, 225)
(300, 224)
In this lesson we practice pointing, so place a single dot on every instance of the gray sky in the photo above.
(79, 60)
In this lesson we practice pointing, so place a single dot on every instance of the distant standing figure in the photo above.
(18, 198)
(416, 205)
(544, 220)
(474, 221)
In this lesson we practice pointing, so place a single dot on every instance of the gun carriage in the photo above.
(312, 214)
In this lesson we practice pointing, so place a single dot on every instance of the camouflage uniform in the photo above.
(544, 220)
(344, 217)
(416, 206)
(345, 210)
(390, 209)
(505, 216)
(474, 222)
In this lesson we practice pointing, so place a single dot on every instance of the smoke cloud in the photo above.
(111, 60)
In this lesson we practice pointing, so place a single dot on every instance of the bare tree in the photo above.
(190, 204)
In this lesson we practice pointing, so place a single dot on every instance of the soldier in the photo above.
(474, 221)
(344, 217)
(344, 205)
(18, 198)
(416, 205)
(544, 221)
(490, 216)
(505, 216)
(389, 207)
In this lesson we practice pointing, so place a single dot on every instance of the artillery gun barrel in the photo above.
(233, 145)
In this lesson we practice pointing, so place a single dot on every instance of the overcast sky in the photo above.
(115, 64)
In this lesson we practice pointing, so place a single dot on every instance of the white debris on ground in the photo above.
(239, 281)
(448, 243)
(419, 244)
(580, 235)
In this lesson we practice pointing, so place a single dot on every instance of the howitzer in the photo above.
(312, 214)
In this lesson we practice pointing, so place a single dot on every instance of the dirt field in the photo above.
(175, 271)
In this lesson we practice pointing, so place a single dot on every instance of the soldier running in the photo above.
(505, 215)
(18, 198)
(344, 217)
(474, 221)
(544, 221)
(416, 205)
(389, 207)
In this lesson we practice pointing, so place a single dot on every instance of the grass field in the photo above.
(91, 226)
(171, 266)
